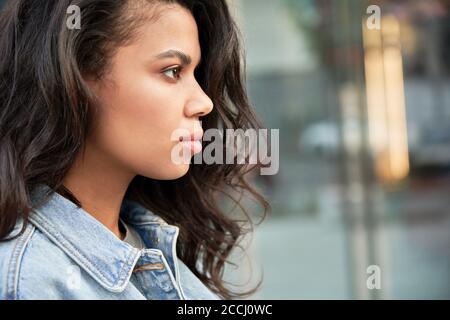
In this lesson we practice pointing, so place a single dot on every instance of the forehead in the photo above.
(172, 27)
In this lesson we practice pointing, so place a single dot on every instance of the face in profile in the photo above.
(148, 93)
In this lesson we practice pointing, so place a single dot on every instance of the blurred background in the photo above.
(363, 108)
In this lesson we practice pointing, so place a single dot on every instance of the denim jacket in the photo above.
(65, 253)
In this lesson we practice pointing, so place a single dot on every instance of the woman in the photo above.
(92, 205)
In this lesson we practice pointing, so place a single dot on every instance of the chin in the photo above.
(180, 171)
(172, 172)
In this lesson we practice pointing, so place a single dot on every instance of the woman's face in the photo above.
(149, 92)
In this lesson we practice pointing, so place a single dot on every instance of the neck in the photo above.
(100, 185)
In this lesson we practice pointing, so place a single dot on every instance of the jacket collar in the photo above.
(87, 241)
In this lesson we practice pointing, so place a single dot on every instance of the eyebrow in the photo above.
(185, 58)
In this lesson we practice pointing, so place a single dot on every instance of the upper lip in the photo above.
(196, 135)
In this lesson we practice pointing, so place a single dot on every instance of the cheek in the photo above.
(135, 125)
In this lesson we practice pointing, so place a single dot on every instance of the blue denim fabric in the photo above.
(65, 253)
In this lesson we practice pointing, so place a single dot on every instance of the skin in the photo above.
(141, 102)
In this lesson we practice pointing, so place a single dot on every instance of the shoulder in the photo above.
(27, 262)
(192, 287)
(12, 248)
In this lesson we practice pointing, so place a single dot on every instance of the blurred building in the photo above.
(363, 113)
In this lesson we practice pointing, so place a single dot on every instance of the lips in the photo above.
(192, 141)
(196, 136)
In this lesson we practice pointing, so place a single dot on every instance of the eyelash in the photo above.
(178, 71)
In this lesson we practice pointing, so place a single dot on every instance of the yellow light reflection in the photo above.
(386, 100)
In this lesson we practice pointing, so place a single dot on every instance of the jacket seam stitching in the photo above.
(75, 254)
(122, 274)
(171, 277)
(66, 246)
(16, 259)
(175, 258)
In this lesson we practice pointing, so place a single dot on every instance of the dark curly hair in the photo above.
(46, 113)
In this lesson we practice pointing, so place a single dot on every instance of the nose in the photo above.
(199, 105)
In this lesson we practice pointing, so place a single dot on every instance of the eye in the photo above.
(173, 72)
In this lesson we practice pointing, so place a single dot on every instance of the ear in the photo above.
(96, 85)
